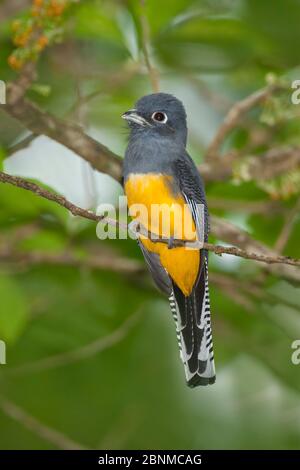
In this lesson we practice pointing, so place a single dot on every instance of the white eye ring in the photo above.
(159, 116)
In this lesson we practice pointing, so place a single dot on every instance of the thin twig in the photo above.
(75, 210)
(102, 159)
(232, 288)
(232, 250)
(84, 352)
(44, 193)
(219, 249)
(22, 83)
(214, 98)
(103, 261)
(57, 438)
(10, 8)
(111, 82)
(274, 162)
(248, 207)
(265, 166)
(287, 228)
(23, 144)
(234, 114)
(153, 73)
(68, 134)
(225, 230)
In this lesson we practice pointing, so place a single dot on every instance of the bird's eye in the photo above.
(159, 117)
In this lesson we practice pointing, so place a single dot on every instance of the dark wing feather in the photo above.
(158, 272)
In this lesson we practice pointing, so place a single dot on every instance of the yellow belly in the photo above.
(150, 201)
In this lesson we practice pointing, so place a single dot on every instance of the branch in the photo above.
(153, 74)
(233, 289)
(287, 228)
(219, 249)
(248, 207)
(214, 98)
(224, 230)
(234, 114)
(219, 226)
(273, 163)
(68, 134)
(9, 8)
(25, 143)
(90, 349)
(231, 250)
(44, 193)
(72, 136)
(109, 83)
(266, 166)
(58, 439)
(23, 82)
(104, 261)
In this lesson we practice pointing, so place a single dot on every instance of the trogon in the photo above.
(159, 172)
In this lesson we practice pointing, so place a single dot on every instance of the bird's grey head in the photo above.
(158, 114)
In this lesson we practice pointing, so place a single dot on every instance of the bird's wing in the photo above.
(158, 272)
(192, 187)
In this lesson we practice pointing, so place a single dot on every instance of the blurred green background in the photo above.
(91, 351)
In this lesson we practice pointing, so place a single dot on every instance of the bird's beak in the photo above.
(133, 116)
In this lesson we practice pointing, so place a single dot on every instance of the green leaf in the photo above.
(19, 204)
(2, 157)
(13, 310)
(41, 89)
(206, 43)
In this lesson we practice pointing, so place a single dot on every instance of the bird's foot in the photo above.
(134, 228)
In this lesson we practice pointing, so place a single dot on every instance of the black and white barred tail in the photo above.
(193, 328)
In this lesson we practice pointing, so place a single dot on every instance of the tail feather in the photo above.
(193, 326)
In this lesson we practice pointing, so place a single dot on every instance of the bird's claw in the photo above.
(133, 228)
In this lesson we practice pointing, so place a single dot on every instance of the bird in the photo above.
(158, 172)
